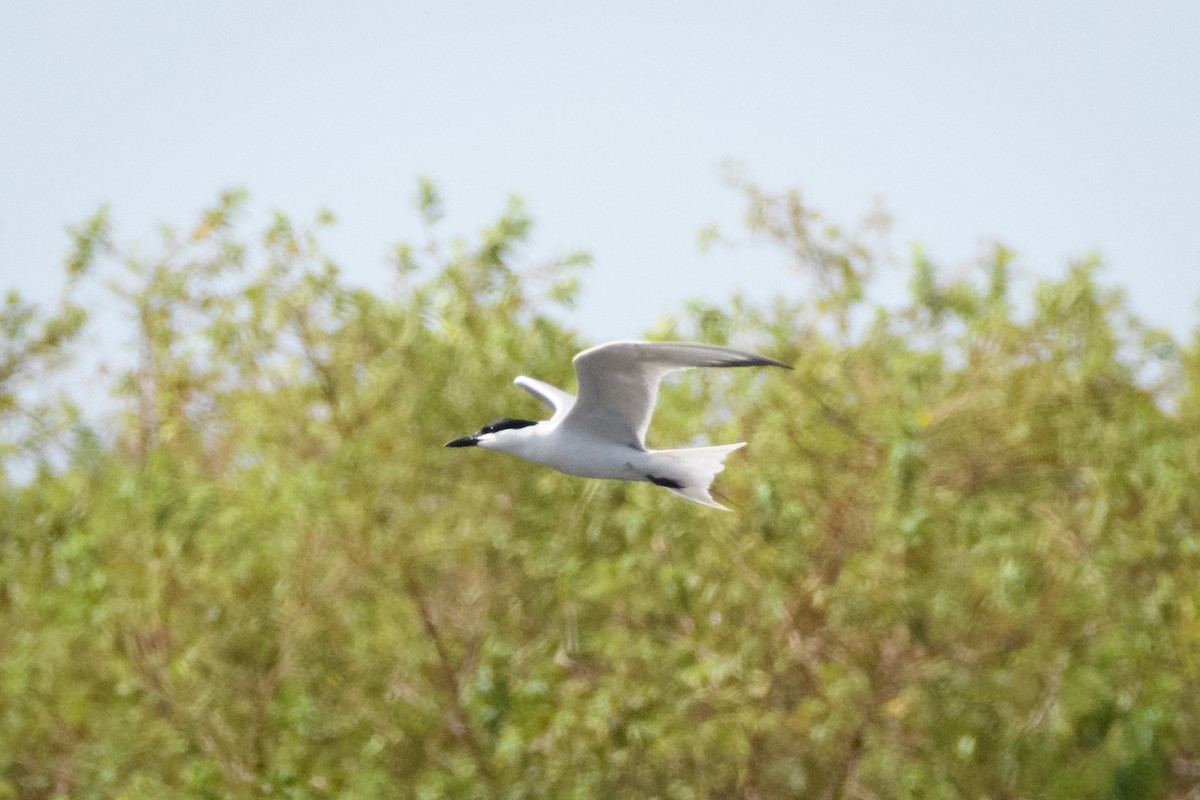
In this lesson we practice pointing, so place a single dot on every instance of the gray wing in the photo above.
(618, 383)
(552, 396)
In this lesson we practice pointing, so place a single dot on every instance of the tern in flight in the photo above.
(602, 432)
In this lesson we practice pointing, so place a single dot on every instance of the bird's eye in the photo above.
(505, 424)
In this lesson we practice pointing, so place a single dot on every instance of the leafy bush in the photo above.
(965, 563)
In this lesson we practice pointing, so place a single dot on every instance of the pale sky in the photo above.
(1056, 127)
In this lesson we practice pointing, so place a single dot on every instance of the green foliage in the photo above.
(965, 561)
(32, 348)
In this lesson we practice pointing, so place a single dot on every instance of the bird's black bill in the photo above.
(466, 441)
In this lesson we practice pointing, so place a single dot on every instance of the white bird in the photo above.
(602, 433)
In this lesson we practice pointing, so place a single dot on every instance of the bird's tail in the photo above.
(690, 472)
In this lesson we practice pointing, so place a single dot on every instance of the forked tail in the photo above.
(689, 472)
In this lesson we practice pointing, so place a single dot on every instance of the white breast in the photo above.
(585, 456)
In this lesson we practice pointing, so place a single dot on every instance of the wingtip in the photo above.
(757, 360)
(749, 360)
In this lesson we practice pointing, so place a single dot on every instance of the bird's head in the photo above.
(503, 434)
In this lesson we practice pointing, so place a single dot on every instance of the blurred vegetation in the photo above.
(965, 563)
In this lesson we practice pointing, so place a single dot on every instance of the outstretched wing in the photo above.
(618, 383)
(552, 396)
